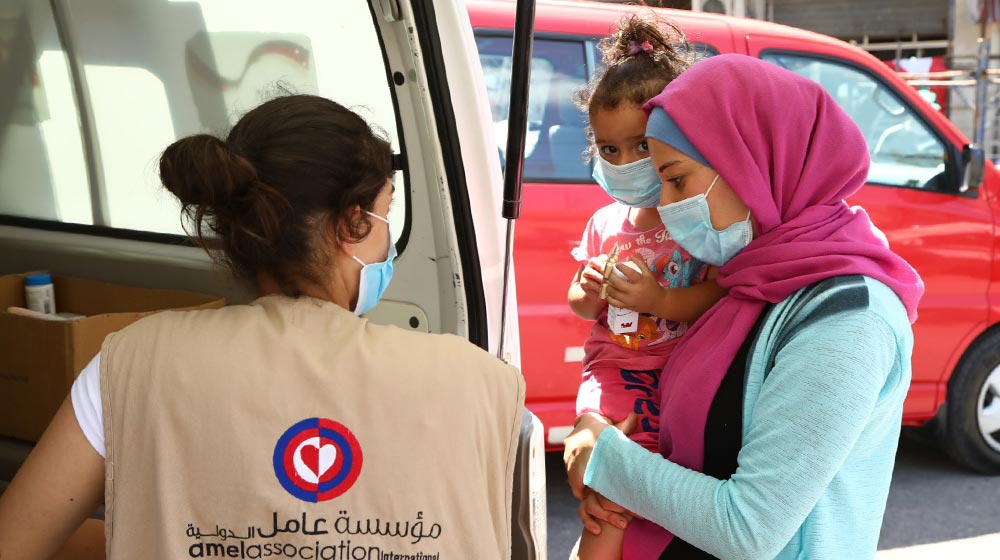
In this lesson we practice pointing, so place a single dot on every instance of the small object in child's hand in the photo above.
(622, 321)
(608, 268)
(621, 275)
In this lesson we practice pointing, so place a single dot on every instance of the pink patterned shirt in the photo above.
(649, 347)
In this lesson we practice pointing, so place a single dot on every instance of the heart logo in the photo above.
(317, 459)
(312, 459)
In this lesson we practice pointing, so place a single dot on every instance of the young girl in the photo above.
(659, 289)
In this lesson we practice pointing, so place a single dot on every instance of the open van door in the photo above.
(94, 90)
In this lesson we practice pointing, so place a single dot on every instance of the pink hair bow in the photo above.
(635, 48)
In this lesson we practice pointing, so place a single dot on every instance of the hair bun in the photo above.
(201, 170)
(641, 35)
(291, 171)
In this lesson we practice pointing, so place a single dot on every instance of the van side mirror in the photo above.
(973, 162)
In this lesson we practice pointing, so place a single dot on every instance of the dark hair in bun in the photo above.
(262, 200)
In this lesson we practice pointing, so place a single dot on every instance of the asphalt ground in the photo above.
(935, 510)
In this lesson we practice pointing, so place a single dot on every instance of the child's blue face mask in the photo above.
(689, 223)
(375, 277)
(633, 184)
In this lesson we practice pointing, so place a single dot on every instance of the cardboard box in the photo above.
(39, 359)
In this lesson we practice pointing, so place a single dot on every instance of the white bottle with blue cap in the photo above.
(39, 293)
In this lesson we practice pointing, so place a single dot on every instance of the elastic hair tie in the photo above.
(635, 48)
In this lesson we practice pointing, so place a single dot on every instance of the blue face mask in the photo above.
(375, 277)
(633, 184)
(689, 223)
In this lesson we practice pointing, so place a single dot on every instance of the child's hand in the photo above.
(584, 295)
(596, 507)
(592, 276)
(638, 291)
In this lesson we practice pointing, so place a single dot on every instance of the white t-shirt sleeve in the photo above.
(86, 397)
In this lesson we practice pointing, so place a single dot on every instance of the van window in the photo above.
(556, 137)
(43, 172)
(904, 151)
(155, 72)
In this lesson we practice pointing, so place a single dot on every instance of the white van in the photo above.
(92, 91)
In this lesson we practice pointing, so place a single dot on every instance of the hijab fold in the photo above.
(792, 155)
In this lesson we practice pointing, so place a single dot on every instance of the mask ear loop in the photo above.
(341, 242)
(373, 215)
(747, 219)
(712, 186)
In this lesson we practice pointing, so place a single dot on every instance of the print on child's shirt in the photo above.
(672, 270)
(647, 406)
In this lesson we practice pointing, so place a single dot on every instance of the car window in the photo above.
(904, 151)
(156, 71)
(556, 137)
(43, 172)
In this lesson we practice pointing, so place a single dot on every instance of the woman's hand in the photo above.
(579, 444)
(638, 291)
(595, 507)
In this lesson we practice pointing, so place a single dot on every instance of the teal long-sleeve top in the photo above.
(822, 405)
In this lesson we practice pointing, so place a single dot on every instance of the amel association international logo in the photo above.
(317, 459)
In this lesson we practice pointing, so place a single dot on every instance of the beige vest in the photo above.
(293, 429)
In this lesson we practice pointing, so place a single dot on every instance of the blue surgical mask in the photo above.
(689, 223)
(375, 277)
(633, 184)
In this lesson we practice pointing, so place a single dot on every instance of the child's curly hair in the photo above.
(640, 58)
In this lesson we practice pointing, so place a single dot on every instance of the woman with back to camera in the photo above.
(291, 425)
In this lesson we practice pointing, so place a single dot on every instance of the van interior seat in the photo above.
(567, 143)
(564, 137)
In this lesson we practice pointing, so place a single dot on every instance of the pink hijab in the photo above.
(792, 155)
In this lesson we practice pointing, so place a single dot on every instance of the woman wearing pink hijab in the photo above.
(780, 410)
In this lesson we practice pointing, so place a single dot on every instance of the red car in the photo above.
(929, 190)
